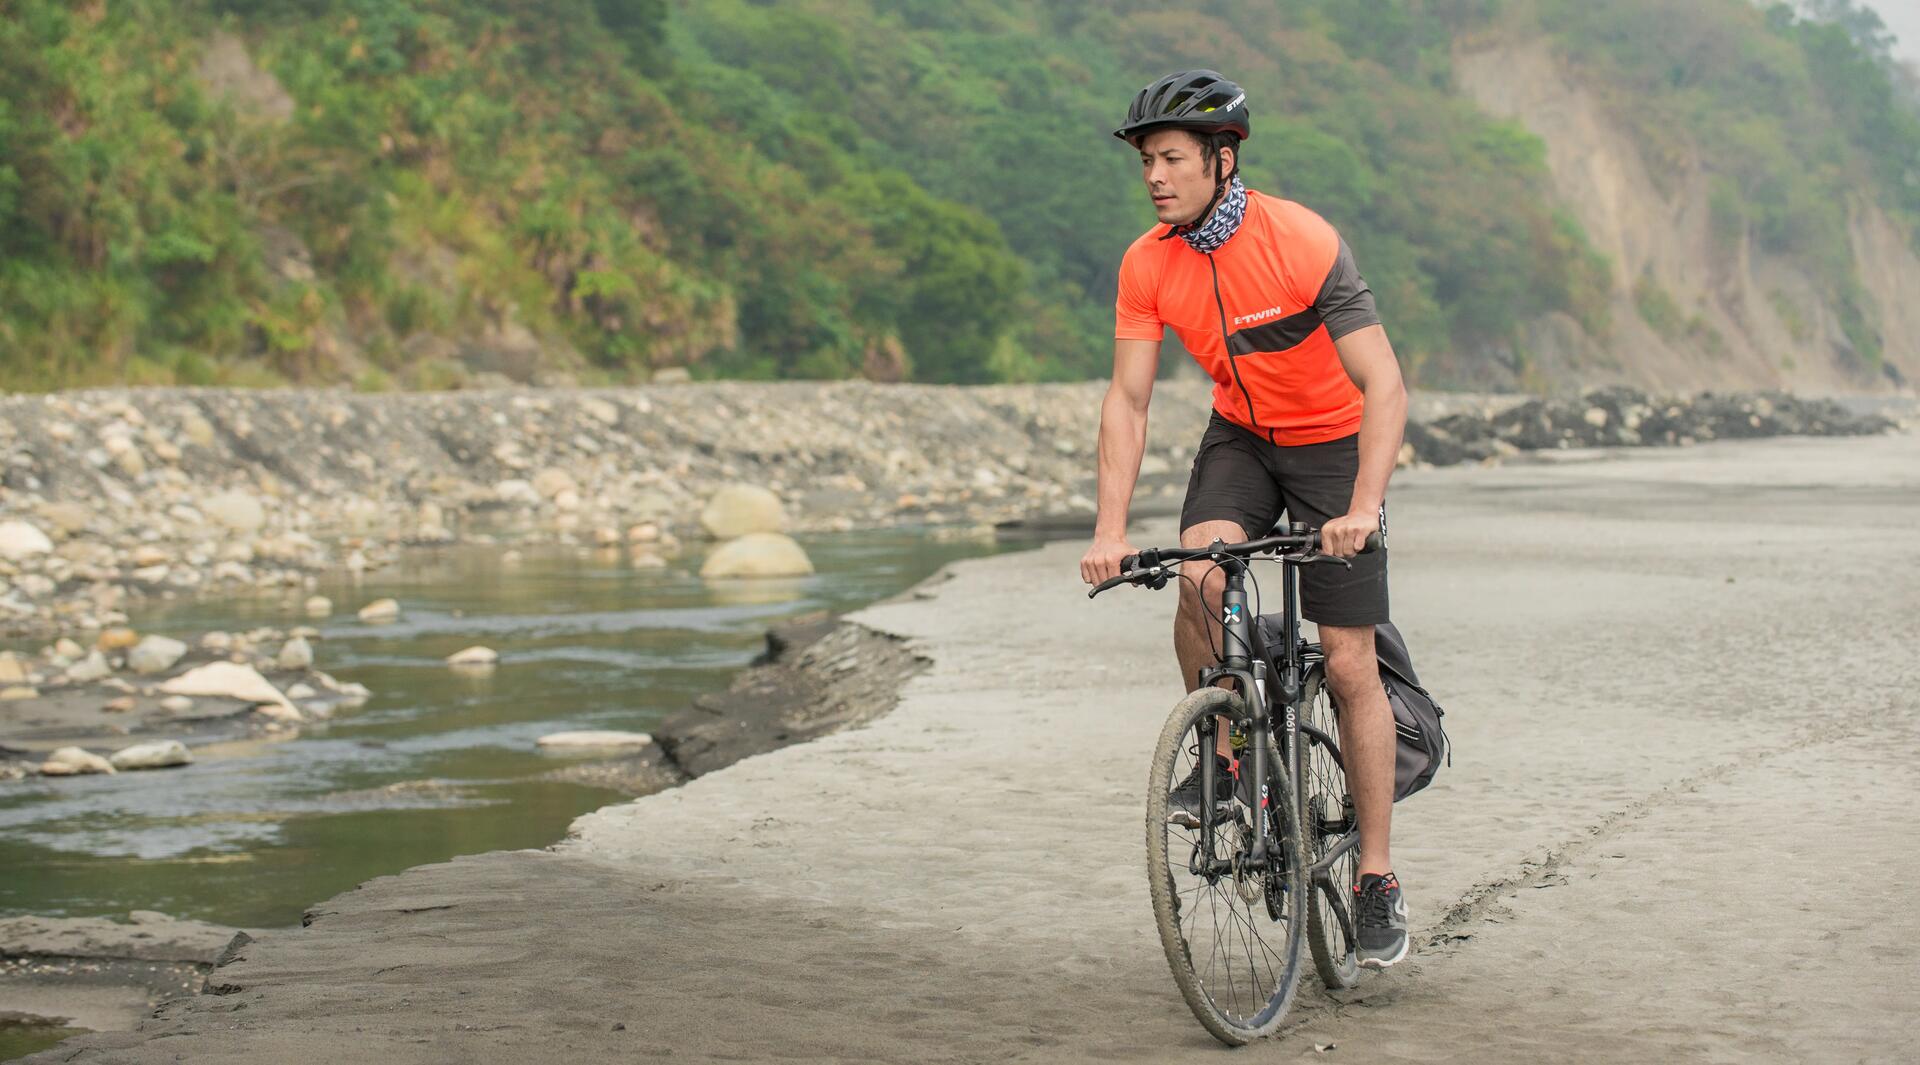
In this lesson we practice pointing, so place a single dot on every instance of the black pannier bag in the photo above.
(1423, 745)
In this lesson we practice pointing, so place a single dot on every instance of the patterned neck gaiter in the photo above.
(1220, 226)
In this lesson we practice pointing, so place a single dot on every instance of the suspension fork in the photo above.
(1238, 663)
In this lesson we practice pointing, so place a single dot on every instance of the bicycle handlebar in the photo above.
(1150, 566)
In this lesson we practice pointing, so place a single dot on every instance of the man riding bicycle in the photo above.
(1308, 410)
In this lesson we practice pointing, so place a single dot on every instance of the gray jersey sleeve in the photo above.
(1345, 302)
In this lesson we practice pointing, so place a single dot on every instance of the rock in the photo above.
(301, 691)
(672, 375)
(157, 755)
(152, 574)
(155, 654)
(380, 611)
(69, 518)
(117, 638)
(1595, 416)
(606, 536)
(12, 669)
(645, 532)
(278, 712)
(318, 606)
(17, 693)
(92, 667)
(217, 642)
(199, 431)
(176, 704)
(123, 705)
(20, 541)
(596, 739)
(600, 410)
(67, 648)
(229, 680)
(758, 555)
(642, 558)
(552, 481)
(236, 510)
(148, 555)
(739, 509)
(516, 492)
(74, 760)
(296, 653)
(474, 656)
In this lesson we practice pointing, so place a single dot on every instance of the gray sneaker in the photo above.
(1381, 918)
(1183, 802)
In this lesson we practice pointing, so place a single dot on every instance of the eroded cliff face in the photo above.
(1738, 318)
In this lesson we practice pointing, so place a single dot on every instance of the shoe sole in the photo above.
(1382, 963)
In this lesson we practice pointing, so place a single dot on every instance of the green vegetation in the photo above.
(821, 188)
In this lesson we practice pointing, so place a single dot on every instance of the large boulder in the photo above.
(72, 761)
(157, 755)
(739, 509)
(155, 654)
(229, 680)
(236, 510)
(758, 555)
(20, 541)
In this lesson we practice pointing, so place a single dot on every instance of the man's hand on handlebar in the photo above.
(1102, 560)
(1346, 535)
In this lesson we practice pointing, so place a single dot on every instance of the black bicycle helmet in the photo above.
(1200, 100)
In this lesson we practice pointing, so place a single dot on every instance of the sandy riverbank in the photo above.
(1681, 693)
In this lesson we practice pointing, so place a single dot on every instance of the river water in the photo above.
(438, 763)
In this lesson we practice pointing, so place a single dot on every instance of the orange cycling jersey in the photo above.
(1260, 315)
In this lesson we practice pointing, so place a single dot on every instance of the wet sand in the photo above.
(1679, 824)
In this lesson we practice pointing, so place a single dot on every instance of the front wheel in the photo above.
(1232, 925)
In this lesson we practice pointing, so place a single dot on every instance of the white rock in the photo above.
(301, 691)
(148, 555)
(739, 509)
(474, 656)
(515, 491)
(319, 606)
(758, 555)
(1596, 417)
(67, 648)
(157, 755)
(20, 541)
(12, 669)
(602, 738)
(72, 760)
(69, 518)
(155, 654)
(217, 641)
(176, 704)
(229, 680)
(236, 510)
(600, 410)
(92, 667)
(18, 692)
(672, 375)
(380, 610)
(296, 653)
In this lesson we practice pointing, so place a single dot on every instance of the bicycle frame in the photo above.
(1238, 661)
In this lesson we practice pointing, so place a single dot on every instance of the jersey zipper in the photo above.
(1227, 347)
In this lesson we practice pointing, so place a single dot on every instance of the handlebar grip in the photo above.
(1130, 563)
(1374, 543)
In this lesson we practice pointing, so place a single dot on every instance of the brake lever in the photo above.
(1309, 558)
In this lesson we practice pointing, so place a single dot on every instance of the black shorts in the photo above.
(1240, 477)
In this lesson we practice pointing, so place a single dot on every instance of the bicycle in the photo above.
(1262, 852)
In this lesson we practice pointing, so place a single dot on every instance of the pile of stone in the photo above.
(1626, 417)
(111, 495)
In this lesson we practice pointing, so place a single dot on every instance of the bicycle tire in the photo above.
(1323, 781)
(1262, 1008)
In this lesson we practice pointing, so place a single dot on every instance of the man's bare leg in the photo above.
(1196, 628)
(1367, 742)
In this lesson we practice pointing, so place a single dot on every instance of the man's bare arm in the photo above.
(1123, 440)
(1370, 363)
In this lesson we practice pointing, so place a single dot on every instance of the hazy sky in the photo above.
(1903, 18)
